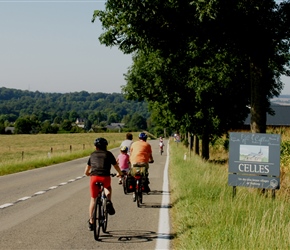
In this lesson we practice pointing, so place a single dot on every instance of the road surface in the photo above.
(47, 208)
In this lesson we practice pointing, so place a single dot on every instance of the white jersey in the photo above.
(128, 144)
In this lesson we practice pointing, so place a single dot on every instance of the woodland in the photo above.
(34, 112)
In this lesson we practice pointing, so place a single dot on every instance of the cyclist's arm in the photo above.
(151, 159)
(116, 166)
(87, 170)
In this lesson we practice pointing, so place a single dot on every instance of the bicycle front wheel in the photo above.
(97, 219)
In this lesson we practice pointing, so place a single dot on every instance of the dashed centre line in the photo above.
(6, 205)
(40, 192)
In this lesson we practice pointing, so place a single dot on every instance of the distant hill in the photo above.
(282, 100)
(46, 106)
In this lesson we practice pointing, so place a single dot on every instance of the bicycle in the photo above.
(139, 189)
(100, 214)
(161, 145)
(141, 186)
(124, 179)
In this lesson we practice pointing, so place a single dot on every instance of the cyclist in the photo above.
(161, 143)
(140, 157)
(99, 168)
(123, 161)
(128, 142)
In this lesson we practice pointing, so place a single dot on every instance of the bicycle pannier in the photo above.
(130, 184)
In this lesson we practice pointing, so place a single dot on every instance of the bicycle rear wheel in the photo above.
(124, 182)
(138, 193)
(97, 219)
(104, 216)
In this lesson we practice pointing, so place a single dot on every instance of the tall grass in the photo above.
(205, 216)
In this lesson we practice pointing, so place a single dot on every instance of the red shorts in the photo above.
(106, 180)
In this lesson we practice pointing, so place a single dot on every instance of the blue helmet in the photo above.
(143, 136)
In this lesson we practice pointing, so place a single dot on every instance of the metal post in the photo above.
(234, 191)
(273, 194)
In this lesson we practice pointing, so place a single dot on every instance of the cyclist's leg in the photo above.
(107, 186)
(108, 192)
(94, 193)
(147, 182)
(91, 209)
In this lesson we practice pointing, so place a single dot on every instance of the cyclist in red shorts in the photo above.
(99, 169)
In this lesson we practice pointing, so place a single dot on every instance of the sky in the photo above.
(52, 46)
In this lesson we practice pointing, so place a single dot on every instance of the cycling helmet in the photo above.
(101, 143)
(143, 136)
(124, 148)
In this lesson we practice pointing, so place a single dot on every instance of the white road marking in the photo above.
(39, 193)
(6, 205)
(163, 238)
(24, 198)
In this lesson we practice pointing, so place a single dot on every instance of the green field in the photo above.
(23, 152)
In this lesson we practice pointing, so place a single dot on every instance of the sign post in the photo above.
(254, 161)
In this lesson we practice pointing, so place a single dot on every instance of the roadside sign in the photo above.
(254, 160)
(254, 181)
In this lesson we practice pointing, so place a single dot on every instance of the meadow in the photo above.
(24, 152)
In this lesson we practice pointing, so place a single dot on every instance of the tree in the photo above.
(25, 125)
(113, 118)
(210, 43)
(57, 120)
(137, 122)
(73, 115)
(2, 127)
(47, 128)
(66, 125)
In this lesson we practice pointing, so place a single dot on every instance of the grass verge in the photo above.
(204, 215)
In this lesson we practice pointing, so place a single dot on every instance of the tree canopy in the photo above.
(36, 109)
(200, 63)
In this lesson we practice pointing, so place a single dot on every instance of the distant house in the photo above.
(9, 130)
(80, 122)
(280, 119)
(115, 126)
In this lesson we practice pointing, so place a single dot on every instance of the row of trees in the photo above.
(201, 64)
(35, 112)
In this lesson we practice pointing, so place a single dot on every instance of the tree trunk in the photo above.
(258, 99)
(205, 146)
(190, 140)
(196, 145)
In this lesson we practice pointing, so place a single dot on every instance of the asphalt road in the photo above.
(47, 208)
